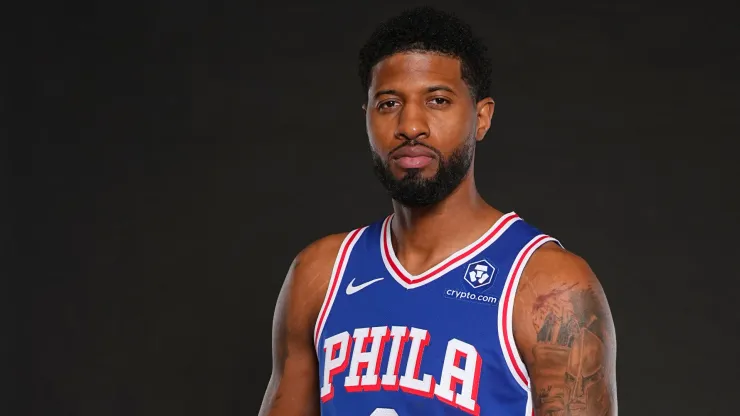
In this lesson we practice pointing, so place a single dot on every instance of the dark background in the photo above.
(179, 154)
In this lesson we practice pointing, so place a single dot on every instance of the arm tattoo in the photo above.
(573, 334)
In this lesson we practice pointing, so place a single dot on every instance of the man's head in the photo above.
(427, 80)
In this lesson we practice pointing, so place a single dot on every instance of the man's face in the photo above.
(423, 125)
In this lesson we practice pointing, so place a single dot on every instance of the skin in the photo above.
(565, 334)
(562, 323)
(293, 386)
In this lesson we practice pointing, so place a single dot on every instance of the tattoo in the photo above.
(572, 338)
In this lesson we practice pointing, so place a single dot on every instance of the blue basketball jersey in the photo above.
(439, 343)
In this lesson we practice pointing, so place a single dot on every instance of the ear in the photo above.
(364, 108)
(484, 112)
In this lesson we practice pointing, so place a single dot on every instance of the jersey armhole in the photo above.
(340, 264)
(506, 311)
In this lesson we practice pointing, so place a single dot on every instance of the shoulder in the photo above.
(312, 266)
(303, 289)
(564, 331)
(320, 251)
(559, 283)
(554, 273)
(307, 280)
(552, 264)
(319, 256)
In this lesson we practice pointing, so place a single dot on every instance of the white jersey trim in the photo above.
(409, 281)
(340, 264)
(505, 313)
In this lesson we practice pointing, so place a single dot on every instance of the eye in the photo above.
(569, 378)
(386, 105)
(439, 101)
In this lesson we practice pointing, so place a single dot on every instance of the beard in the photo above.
(413, 190)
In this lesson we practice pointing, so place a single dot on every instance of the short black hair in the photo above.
(425, 29)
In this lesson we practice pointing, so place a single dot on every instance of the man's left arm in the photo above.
(565, 334)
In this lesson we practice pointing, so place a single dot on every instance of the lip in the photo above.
(413, 157)
(577, 406)
(413, 151)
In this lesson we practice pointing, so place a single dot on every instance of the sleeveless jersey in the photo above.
(439, 343)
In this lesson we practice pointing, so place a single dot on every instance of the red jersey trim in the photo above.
(506, 334)
(340, 264)
(410, 281)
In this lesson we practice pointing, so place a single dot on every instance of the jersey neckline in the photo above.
(410, 281)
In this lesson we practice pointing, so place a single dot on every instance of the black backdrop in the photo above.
(177, 155)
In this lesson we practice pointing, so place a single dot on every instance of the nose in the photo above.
(412, 123)
(580, 388)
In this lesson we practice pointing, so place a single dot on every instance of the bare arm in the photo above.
(564, 331)
(293, 386)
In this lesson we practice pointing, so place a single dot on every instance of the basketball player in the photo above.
(447, 306)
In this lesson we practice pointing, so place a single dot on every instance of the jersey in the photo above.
(439, 343)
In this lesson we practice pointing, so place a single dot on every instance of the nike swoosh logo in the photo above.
(354, 289)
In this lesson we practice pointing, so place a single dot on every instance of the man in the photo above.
(447, 306)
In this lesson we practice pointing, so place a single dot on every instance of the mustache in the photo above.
(416, 143)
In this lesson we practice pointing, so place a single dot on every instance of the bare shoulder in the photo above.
(317, 257)
(292, 388)
(565, 333)
(555, 275)
(322, 249)
(302, 294)
(553, 263)
(311, 269)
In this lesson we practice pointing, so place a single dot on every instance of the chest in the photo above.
(386, 336)
(429, 340)
(466, 296)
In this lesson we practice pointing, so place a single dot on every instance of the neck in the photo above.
(445, 226)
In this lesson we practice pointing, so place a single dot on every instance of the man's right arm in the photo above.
(293, 387)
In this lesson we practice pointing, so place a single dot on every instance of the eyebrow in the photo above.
(431, 88)
(434, 88)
